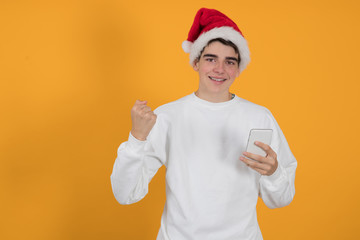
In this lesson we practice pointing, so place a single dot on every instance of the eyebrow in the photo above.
(210, 55)
(214, 56)
(232, 58)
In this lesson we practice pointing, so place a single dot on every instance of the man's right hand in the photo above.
(143, 120)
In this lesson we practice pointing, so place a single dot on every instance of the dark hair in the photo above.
(223, 41)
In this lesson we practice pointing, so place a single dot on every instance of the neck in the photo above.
(214, 97)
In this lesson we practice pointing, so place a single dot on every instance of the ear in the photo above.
(195, 65)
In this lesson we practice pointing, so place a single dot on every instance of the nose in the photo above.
(219, 67)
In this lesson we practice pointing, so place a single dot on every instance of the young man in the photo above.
(211, 188)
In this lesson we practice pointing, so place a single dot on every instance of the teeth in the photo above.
(217, 79)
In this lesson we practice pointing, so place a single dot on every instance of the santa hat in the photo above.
(210, 24)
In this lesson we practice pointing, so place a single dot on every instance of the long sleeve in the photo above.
(278, 190)
(136, 164)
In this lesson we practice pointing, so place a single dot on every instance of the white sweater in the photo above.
(210, 193)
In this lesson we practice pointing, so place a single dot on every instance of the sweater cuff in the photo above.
(135, 144)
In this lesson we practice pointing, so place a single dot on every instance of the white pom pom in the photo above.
(186, 46)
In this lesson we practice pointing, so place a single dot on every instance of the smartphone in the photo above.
(261, 135)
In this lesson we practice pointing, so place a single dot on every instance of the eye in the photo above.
(210, 59)
(230, 62)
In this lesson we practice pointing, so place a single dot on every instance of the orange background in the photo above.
(70, 72)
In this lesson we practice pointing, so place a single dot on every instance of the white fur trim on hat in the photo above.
(227, 33)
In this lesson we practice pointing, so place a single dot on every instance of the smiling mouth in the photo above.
(217, 79)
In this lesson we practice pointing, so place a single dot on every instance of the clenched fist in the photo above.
(143, 120)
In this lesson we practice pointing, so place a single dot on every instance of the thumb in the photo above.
(141, 102)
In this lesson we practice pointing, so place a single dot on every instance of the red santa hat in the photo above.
(210, 24)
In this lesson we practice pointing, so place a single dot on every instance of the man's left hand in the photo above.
(264, 165)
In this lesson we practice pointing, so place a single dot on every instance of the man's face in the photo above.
(217, 68)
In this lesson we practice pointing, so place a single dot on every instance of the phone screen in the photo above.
(261, 135)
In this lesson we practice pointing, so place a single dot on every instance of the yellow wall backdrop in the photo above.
(70, 72)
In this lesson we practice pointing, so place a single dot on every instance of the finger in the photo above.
(263, 169)
(245, 160)
(147, 115)
(254, 156)
(252, 163)
(141, 108)
(151, 115)
(145, 109)
(139, 102)
(267, 162)
(264, 147)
